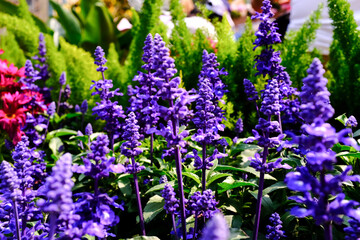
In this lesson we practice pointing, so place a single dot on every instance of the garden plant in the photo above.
(179, 138)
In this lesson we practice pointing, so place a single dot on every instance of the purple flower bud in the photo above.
(62, 79)
(88, 129)
(163, 179)
(239, 126)
(351, 122)
(100, 60)
(84, 106)
(274, 231)
(77, 108)
(216, 229)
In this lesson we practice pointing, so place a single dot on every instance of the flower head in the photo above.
(216, 229)
(274, 231)
(171, 202)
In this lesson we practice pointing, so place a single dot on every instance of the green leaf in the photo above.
(227, 186)
(69, 22)
(257, 174)
(153, 207)
(70, 115)
(125, 186)
(55, 144)
(215, 177)
(348, 154)
(192, 176)
(357, 133)
(342, 118)
(274, 187)
(236, 233)
(60, 132)
(99, 26)
(242, 147)
(160, 187)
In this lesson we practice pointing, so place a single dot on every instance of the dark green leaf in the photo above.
(192, 176)
(160, 187)
(227, 186)
(153, 207)
(60, 132)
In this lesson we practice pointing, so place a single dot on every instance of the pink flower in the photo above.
(12, 115)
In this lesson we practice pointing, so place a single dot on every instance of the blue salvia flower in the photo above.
(353, 231)
(216, 229)
(31, 77)
(106, 109)
(315, 183)
(84, 107)
(32, 124)
(88, 129)
(250, 91)
(239, 126)
(59, 203)
(10, 193)
(163, 179)
(176, 113)
(274, 231)
(62, 79)
(204, 204)
(171, 202)
(351, 122)
(77, 108)
(51, 109)
(130, 149)
(94, 209)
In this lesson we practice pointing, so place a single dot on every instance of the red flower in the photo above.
(1, 51)
(12, 115)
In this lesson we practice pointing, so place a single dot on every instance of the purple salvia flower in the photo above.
(250, 91)
(351, 122)
(62, 79)
(36, 137)
(176, 113)
(106, 109)
(41, 57)
(315, 97)
(9, 188)
(59, 203)
(163, 179)
(353, 231)
(216, 229)
(51, 109)
(100, 60)
(270, 99)
(88, 129)
(97, 165)
(314, 181)
(84, 107)
(274, 231)
(204, 204)
(77, 108)
(239, 126)
(130, 149)
(171, 202)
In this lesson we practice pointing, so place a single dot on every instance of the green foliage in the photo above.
(26, 34)
(13, 52)
(296, 46)
(143, 23)
(344, 61)
(80, 70)
(23, 12)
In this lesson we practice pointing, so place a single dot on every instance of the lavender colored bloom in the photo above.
(315, 183)
(270, 98)
(163, 179)
(88, 129)
(106, 109)
(216, 229)
(171, 203)
(77, 108)
(51, 109)
(351, 122)
(257, 163)
(250, 90)
(131, 134)
(10, 182)
(97, 164)
(62, 79)
(315, 98)
(32, 124)
(42, 66)
(274, 231)
(204, 204)
(31, 77)
(239, 126)
(84, 106)
(100, 60)
(198, 163)
(353, 231)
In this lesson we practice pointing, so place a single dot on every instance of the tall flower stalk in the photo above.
(315, 181)
(106, 109)
(208, 115)
(176, 113)
(143, 100)
(130, 149)
(272, 103)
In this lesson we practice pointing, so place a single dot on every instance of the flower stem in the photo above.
(137, 191)
(259, 197)
(151, 148)
(174, 226)
(52, 226)
(328, 231)
(18, 236)
(203, 179)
